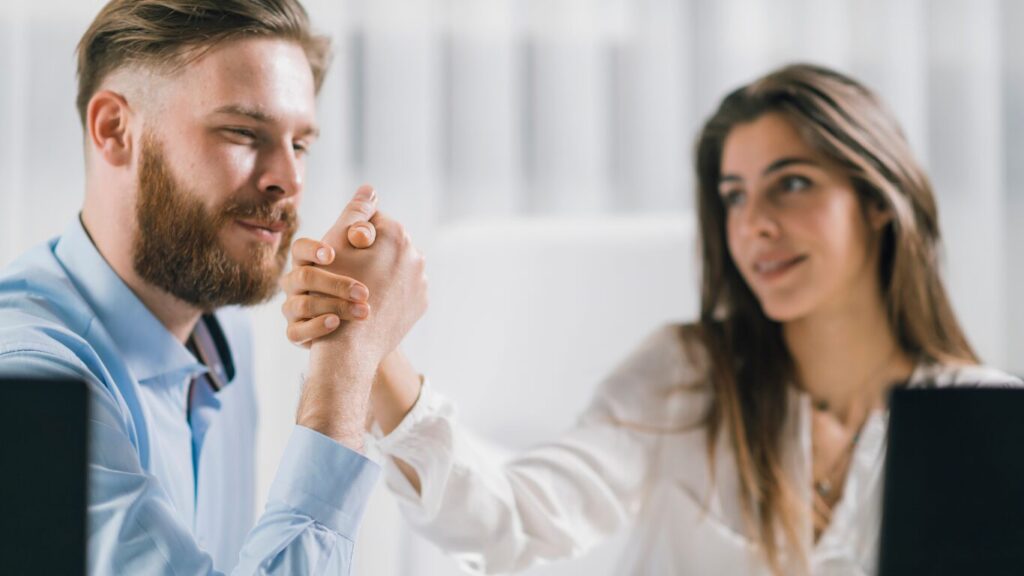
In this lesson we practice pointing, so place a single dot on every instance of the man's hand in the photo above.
(345, 357)
(317, 299)
(393, 271)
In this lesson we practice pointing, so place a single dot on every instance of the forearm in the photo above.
(507, 514)
(395, 391)
(336, 394)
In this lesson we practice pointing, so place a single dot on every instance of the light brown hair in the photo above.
(166, 35)
(751, 367)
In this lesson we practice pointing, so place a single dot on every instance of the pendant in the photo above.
(824, 488)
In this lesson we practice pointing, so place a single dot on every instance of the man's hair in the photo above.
(166, 35)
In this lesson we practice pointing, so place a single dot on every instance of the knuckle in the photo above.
(305, 275)
(394, 227)
(343, 287)
(361, 206)
(306, 308)
(285, 284)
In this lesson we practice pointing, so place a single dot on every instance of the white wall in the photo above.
(486, 121)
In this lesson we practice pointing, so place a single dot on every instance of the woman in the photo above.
(752, 441)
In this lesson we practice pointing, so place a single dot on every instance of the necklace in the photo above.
(824, 485)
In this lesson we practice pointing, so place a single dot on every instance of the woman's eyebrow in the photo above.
(773, 167)
(788, 161)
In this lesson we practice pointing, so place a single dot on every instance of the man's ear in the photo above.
(107, 126)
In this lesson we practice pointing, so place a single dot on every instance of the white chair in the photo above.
(526, 317)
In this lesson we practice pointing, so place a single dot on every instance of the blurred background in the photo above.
(539, 153)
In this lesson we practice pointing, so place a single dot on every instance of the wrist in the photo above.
(336, 408)
(336, 392)
(347, 353)
(395, 391)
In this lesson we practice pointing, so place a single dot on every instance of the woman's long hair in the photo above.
(750, 364)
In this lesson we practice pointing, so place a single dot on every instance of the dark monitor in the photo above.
(954, 483)
(43, 440)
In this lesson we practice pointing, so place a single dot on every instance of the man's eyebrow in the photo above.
(773, 167)
(260, 116)
(240, 110)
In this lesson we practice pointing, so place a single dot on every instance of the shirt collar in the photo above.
(147, 347)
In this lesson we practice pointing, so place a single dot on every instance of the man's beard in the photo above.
(177, 248)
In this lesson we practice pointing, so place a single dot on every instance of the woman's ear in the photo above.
(107, 127)
(879, 215)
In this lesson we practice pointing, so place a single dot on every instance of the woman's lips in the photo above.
(773, 268)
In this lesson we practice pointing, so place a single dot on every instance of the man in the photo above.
(197, 115)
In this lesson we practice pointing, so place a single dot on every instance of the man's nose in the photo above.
(282, 172)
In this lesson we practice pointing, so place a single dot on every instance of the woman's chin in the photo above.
(783, 311)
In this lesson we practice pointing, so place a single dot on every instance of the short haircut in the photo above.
(166, 35)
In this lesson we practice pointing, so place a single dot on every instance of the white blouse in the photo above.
(632, 458)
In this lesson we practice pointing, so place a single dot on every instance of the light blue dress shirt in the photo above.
(172, 481)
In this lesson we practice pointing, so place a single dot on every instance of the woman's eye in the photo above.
(794, 183)
(732, 198)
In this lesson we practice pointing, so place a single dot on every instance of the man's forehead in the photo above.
(265, 80)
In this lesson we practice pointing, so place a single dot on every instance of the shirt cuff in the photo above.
(426, 405)
(324, 480)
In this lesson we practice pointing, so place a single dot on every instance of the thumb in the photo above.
(359, 210)
(362, 234)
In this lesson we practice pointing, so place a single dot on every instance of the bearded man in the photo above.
(197, 116)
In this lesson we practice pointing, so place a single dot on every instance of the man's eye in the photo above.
(242, 132)
(794, 183)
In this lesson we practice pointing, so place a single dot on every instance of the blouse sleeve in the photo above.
(496, 514)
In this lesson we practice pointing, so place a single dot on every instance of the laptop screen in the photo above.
(954, 482)
(43, 476)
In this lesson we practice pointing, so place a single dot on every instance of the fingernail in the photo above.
(332, 322)
(365, 193)
(322, 255)
(359, 292)
(359, 311)
(365, 231)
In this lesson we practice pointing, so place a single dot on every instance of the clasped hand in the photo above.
(365, 273)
